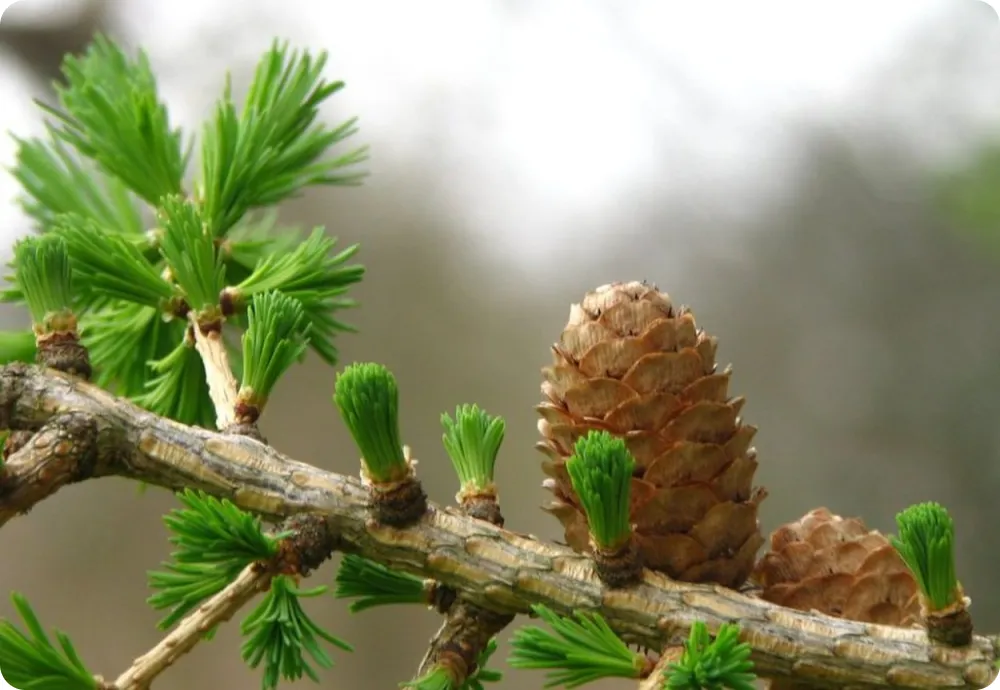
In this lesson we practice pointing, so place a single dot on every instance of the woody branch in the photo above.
(493, 568)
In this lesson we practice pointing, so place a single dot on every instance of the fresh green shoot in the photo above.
(472, 440)
(368, 400)
(600, 470)
(310, 274)
(44, 276)
(17, 346)
(45, 279)
(440, 678)
(56, 182)
(926, 543)
(372, 584)
(111, 113)
(276, 338)
(584, 649)
(108, 265)
(711, 665)
(177, 389)
(190, 252)
(214, 541)
(272, 149)
(279, 632)
(31, 662)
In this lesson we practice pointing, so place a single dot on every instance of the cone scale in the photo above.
(628, 362)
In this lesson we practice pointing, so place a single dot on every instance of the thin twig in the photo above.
(189, 632)
(491, 567)
(222, 385)
(654, 678)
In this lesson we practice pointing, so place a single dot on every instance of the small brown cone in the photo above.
(630, 363)
(839, 567)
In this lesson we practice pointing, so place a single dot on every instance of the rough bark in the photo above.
(496, 569)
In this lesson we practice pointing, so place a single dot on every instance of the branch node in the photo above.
(397, 503)
(618, 568)
(481, 505)
(62, 351)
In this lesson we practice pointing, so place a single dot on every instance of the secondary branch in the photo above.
(496, 569)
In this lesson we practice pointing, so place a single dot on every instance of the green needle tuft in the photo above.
(368, 400)
(43, 274)
(32, 662)
(601, 473)
(711, 665)
(214, 541)
(274, 340)
(280, 634)
(275, 146)
(372, 584)
(111, 114)
(927, 544)
(472, 440)
(189, 249)
(584, 649)
(110, 266)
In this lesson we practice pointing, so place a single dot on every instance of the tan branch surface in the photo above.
(222, 385)
(218, 609)
(491, 567)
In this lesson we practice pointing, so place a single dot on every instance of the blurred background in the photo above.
(816, 181)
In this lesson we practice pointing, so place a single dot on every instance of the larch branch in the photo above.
(493, 568)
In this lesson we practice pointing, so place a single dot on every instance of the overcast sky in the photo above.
(551, 106)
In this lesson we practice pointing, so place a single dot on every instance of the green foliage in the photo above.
(109, 145)
(472, 440)
(276, 337)
(17, 346)
(927, 544)
(31, 662)
(56, 182)
(312, 276)
(584, 649)
(368, 400)
(214, 541)
(44, 277)
(111, 114)
(177, 388)
(272, 149)
(191, 255)
(375, 585)
(279, 633)
(600, 470)
(713, 664)
(123, 338)
(441, 678)
(109, 266)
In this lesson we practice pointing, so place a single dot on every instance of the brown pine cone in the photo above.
(630, 363)
(837, 566)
